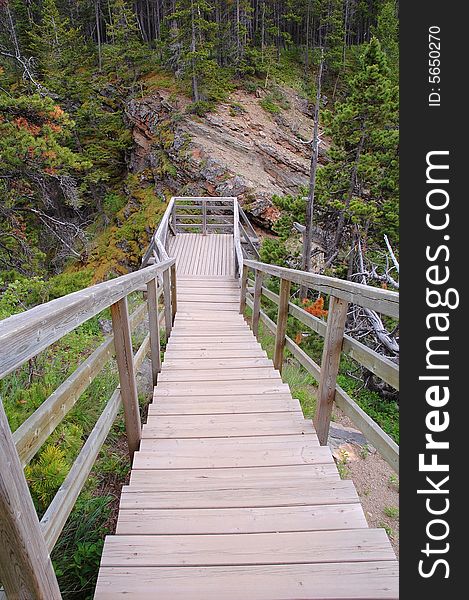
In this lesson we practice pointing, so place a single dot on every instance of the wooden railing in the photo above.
(203, 215)
(341, 293)
(26, 570)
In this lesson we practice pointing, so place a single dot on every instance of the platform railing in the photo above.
(204, 216)
(341, 293)
(26, 570)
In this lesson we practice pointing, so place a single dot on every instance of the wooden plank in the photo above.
(330, 366)
(125, 365)
(216, 363)
(257, 302)
(174, 305)
(383, 301)
(24, 335)
(325, 581)
(201, 306)
(215, 353)
(255, 549)
(216, 299)
(220, 426)
(258, 520)
(25, 567)
(219, 374)
(282, 316)
(154, 327)
(242, 302)
(378, 364)
(218, 388)
(168, 317)
(199, 405)
(231, 452)
(240, 340)
(331, 492)
(155, 480)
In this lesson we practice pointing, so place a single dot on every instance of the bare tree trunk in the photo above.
(308, 18)
(195, 83)
(308, 234)
(98, 32)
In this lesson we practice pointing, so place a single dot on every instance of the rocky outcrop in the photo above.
(239, 150)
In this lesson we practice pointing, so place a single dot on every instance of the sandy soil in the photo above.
(375, 481)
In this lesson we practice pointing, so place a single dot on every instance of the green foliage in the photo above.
(361, 181)
(273, 251)
(77, 554)
(391, 511)
(387, 32)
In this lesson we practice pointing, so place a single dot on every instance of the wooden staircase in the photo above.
(231, 496)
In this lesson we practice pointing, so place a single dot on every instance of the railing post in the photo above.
(282, 316)
(174, 216)
(154, 327)
(204, 217)
(256, 309)
(330, 366)
(125, 365)
(168, 318)
(244, 285)
(26, 570)
(174, 302)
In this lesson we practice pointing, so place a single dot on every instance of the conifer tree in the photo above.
(386, 31)
(361, 179)
(195, 38)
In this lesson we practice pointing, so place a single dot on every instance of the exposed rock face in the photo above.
(239, 150)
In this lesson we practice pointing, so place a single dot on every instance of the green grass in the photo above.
(391, 511)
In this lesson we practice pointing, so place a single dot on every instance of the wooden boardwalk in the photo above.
(231, 496)
(210, 254)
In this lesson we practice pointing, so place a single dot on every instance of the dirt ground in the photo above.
(375, 481)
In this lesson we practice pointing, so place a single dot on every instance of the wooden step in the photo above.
(239, 520)
(216, 363)
(231, 452)
(219, 388)
(320, 493)
(201, 405)
(254, 549)
(308, 581)
(218, 426)
(233, 478)
(194, 375)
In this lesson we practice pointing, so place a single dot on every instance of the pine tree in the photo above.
(196, 42)
(387, 31)
(58, 47)
(359, 185)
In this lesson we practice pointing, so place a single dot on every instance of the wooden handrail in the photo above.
(379, 365)
(384, 444)
(335, 341)
(383, 301)
(24, 335)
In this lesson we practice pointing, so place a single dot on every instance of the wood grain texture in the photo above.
(333, 581)
(24, 335)
(269, 519)
(301, 494)
(254, 549)
(154, 327)
(282, 316)
(330, 366)
(383, 301)
(26, 570)
(125, 366)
